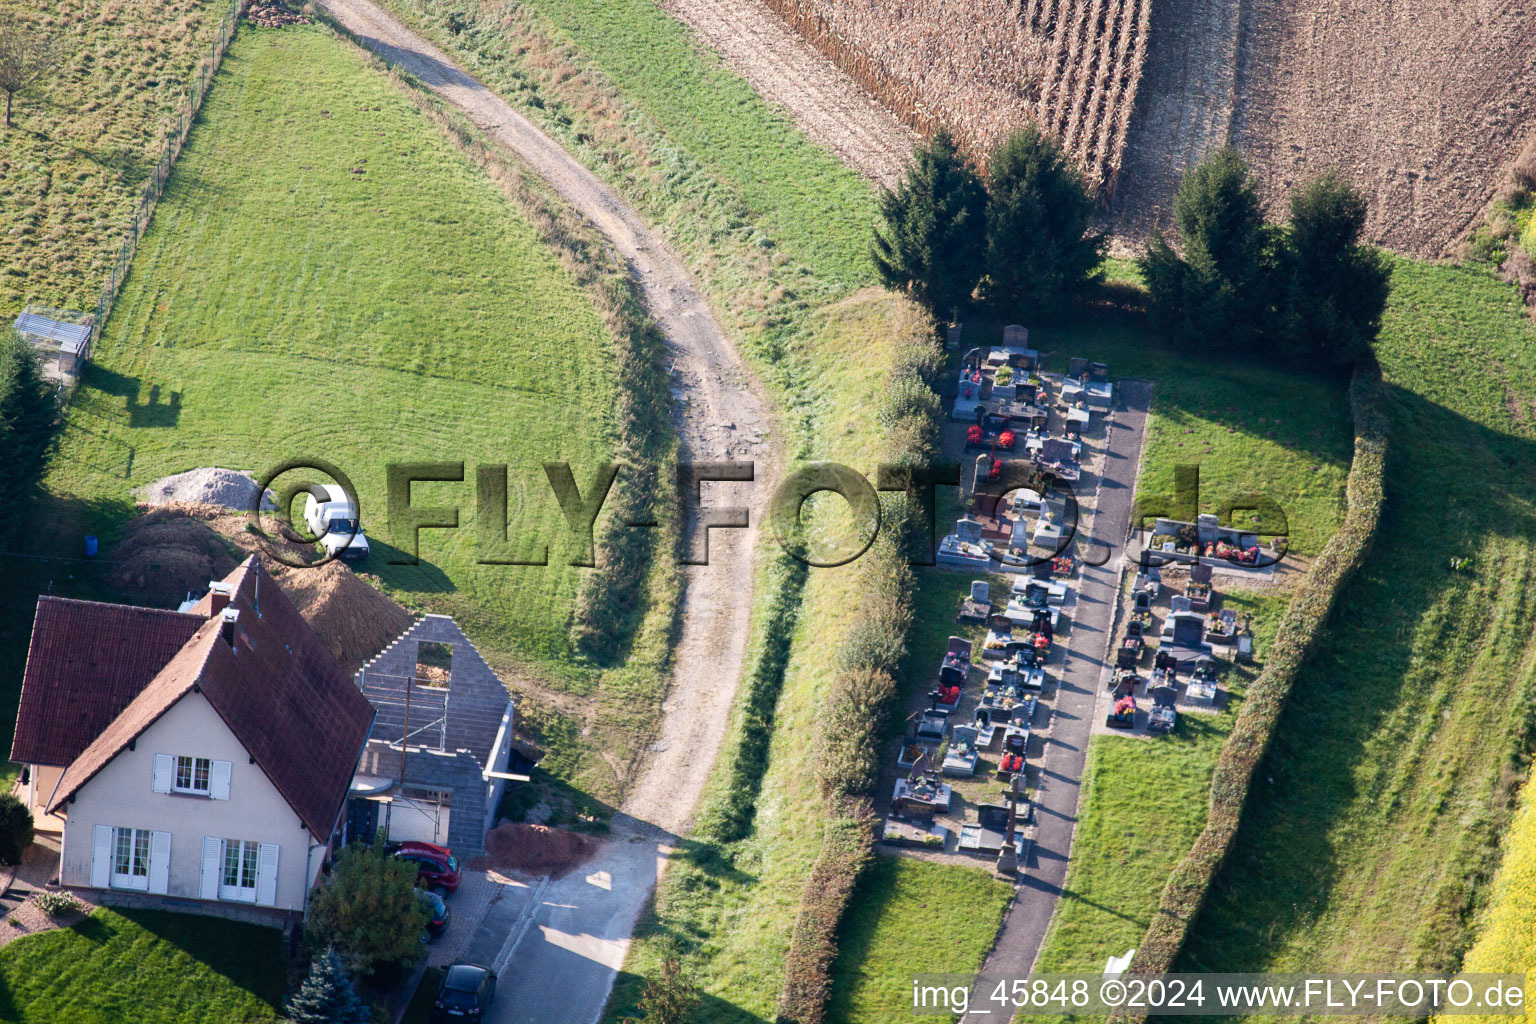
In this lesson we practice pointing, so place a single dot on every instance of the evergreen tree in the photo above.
(934, 233)
(1041, 250)
(27, 414)
(1221, 292)
(1337, 287)
(327, 995)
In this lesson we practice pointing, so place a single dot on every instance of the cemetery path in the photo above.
(558, 957)
(1040, 889)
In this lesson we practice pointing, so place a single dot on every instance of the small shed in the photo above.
(58, 335)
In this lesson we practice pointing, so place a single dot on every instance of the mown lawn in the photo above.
(145, 966)
(1373, 828)
(327, 276)
(911, 917)
(86, 140)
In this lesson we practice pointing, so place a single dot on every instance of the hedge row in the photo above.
(863, 692)
(1297, 635)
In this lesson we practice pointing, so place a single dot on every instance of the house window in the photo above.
(130, 858)
(192, 775)
(240, 861)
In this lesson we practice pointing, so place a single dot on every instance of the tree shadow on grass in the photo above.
(1402, 646)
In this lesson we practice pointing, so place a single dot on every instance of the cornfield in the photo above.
(983, 69)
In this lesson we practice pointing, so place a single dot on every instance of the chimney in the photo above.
(227, 630)
(219, 595)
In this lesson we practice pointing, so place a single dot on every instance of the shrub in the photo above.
(906, 397)
(1041, 249)
(369, 911)
(327, 995)
(931, 242)
(15, 829)
(848, 733)
(55, 903)
(668, 998)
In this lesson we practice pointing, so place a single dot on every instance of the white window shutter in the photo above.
(218, 780)
(266, 875)
(101, 857)
(213, 864)
(159, 862)
(165, 773)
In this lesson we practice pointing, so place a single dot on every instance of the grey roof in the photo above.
(65, 333)
(465, 716)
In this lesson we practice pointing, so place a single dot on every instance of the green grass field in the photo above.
(328, 276)
(911, 917)
(1369, 839)
(86, 140)
(147, 966)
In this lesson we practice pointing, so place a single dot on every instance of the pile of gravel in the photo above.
(211, 486)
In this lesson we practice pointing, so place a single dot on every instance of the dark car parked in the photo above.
(436, 866)
(466, 991)
(438, 922)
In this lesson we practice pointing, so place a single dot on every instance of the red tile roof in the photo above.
(87, 662)
(278, 689)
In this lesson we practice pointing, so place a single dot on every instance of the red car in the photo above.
(436, 866)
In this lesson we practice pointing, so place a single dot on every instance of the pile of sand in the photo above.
(537, 849)
(176, 549)
(230, 488)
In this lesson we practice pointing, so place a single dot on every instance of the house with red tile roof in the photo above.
(199, 759)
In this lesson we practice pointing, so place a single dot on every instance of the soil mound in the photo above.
(534, 848)
(170, 552)
(174, 550)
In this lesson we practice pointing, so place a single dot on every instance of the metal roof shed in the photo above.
(68, 334)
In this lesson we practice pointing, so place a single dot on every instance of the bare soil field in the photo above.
(985, 69)
(1425, 103)
(823, 100)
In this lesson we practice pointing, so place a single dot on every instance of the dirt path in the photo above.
(565, 966)
(824, 102)
(1184, 107)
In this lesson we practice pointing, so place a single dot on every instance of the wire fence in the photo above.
(175, 138)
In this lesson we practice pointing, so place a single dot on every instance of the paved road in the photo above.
(559, 949)
(1061, 772)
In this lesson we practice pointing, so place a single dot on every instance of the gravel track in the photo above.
(563, 969)
(825, 103)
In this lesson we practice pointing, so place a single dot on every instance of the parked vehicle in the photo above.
(331, 516)
(438, 922)
(467, 990)
(436, 866)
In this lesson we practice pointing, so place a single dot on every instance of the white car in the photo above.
(331, 517)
